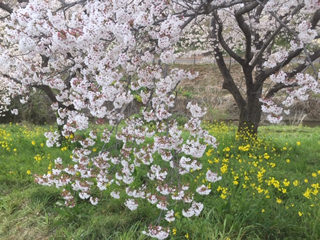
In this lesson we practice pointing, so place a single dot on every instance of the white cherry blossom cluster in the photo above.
(276, 58)
(94, 58)
(306, 35)
(299, 88)
(274, 112)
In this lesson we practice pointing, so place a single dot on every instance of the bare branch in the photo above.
(223, 43)
(228, 82)
(6, 7)
(245, 28)
(276, 88)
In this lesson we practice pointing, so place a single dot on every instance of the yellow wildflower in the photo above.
(174, 231)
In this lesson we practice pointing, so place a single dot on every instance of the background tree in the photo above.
(274, 42)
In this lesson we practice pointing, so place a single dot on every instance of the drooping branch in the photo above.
(289, 59)
(267, 73)
(303, 66)
(277, 87)
(300, 68)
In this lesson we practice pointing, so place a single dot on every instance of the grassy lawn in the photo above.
(269, 190)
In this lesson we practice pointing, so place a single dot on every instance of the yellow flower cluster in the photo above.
(251, 164)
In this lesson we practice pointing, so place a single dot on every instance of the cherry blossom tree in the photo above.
(94, 57)
(273, 41)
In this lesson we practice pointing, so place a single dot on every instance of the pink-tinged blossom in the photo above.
(164, 42)
(152, 199)
(58, 161)
(194, 148)
(69, 199)
(167, 56)
(56, 171)
(212, 177)
(189, 213)
(157, 232)
(162, 113)
(131, 204)
(165, 155)
(98, 56)
(197, 208)
(147, 57)
(14, 111)
(162, 205)
(52, 139)
(84, 195)
(188, 198)
(274, 119)
(70, 170)
(177, 196)
(94, 201)
(101, 185)
(306, 34)
(164, 189)
(170, 216)
(210, 140)
(127, 179)
(195, 110)
(115, 194)
(203, 190)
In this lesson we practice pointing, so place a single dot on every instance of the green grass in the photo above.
(269, 190)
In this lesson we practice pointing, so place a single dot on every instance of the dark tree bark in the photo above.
(250, 114)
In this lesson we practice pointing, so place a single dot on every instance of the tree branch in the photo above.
(315, 19)
(303, 66)
(6, 7)
(223, 43)
(275, 69)
(279, 86)
(245, 28)
(228, 82)
(276, 88)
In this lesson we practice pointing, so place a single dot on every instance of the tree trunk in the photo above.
(250, 116)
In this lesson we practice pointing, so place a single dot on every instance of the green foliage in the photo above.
(269, 190)
(185, 92)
